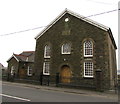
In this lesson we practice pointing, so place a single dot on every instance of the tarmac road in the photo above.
(19, 93)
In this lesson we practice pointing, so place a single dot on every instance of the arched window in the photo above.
(88, 48)
(47, 51)
(66, 48)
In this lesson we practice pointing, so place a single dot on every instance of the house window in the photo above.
(12, 70)
(47, 51)
(88, 48)
(66, 48)
(88, 69)
(29, 71)
(46, 68)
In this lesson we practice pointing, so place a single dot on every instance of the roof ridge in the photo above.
(18, 58)
(20, 55)
(87, 19)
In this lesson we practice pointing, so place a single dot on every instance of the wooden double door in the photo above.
(65, 74)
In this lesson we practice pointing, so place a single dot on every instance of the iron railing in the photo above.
(57, 80)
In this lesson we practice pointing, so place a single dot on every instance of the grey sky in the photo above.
(18, 15)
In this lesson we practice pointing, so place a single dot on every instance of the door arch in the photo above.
(65, 74)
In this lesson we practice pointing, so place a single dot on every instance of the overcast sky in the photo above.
(19, 15)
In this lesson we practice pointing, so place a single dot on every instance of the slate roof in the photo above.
(21, 57)
(27, 53)
(25, 56)
(103, 27)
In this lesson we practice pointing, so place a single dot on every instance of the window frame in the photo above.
(62, 48)
(28, 71)
(88, 76)
(44, 73)
(85, 48)
(12, 71)
(45, 51)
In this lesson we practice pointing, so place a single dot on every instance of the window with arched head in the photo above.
(47, 51)
(66, 48)
(88, 48)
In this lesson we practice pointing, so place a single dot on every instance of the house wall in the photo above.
(112, 63)
(19, 66)
(24, 66)
(15, 63)
(79, 31)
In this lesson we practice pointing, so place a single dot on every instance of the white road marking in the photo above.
(14, 97)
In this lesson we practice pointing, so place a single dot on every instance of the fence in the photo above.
(96, 83)
(57, 80)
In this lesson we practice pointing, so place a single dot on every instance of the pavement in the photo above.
(108, 94)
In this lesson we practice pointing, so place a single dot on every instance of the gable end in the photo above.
(73, 14)
(13, 56)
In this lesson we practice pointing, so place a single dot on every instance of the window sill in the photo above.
(88, 77)
(65, 53)
(88, 55)
(45, 74)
